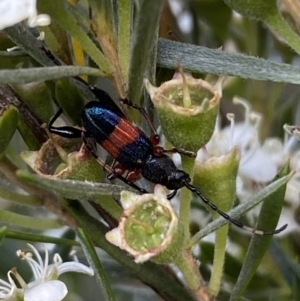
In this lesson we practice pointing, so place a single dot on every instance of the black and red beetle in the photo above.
(136, 153)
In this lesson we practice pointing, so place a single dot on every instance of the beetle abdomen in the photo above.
(125, 142)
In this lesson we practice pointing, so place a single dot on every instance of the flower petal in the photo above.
(258, 167)
(13, 12)
(54, 290)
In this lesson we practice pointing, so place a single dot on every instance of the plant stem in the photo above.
(189, 269)
(8, 169)
(39, 238)
(185, 197)
(218, 263)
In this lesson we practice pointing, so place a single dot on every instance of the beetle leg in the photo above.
(127, 102)
(64, 131)
(108, 168)
(118, 169)
(133, 175)
(154, 138)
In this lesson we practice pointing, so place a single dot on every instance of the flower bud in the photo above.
(38, 97)
(9, 117)
(187, 109)
(148, 227)
(216, 178)
(64, 159)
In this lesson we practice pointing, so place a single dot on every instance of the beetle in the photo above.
(127, 144)
(134, 151)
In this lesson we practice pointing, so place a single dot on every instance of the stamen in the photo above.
(248, 127)
(46, 263)
(35, 266)
(18, 277)
(230, 117)
(73, 254)
(41, 37)
(6, 286)
(15, 48)
(57, 259)
(187, 102)
(219, 85)
(257, 118)
(37, 254)
(245, 104)
(289, 142)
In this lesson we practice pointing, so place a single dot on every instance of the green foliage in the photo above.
(116, 44)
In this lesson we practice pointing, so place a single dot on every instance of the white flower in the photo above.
(245, 135)
(45, 286)
(15, 11)
(260, 162)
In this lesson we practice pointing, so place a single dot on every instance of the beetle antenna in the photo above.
(226, 216)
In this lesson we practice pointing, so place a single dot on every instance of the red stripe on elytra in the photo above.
(111, 148)
(123, 134)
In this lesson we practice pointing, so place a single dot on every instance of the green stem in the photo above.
(29, 222)
(109, 205)
(199, 59)
(218, 263)
(185, 197)
(39, 238)
(17, 53)
(144, 39)
(78, 190)
(94, 261)
(125, 14)
(22, 199)
(103, 27)
(189, 269)
(276, 23)
(8, 169)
